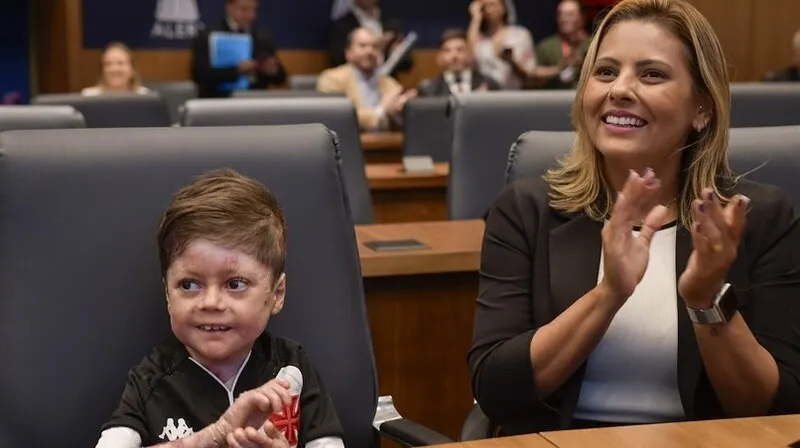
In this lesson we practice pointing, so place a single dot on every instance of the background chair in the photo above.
(770, 155)
(485, 126)
(175, 94)
(114, 111)
(40, 117)
(535, 152)
(81, 294)
(760, 104)
(284, 93)
(428, 127)
(337, 114)
(303, 82)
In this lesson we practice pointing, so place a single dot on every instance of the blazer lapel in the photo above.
(690, 364)
(574, 260)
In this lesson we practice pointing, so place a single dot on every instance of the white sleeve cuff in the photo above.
(119, 437)
(326, 442)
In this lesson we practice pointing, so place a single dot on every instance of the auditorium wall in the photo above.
(69, 34)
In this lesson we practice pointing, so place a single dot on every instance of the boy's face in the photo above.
(219, 301)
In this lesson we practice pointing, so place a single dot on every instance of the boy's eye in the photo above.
(188, 285)
(237, 284)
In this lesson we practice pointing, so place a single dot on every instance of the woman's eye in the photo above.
(653, 74)
(237, 284)
(604, 71)
(189, 285)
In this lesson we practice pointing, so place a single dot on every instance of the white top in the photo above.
(632, 374)
(465, 84)
(97, 91)
(487, 56)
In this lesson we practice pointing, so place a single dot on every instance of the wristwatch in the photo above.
(721, 311)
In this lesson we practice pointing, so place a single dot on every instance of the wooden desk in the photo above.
(398, 196)
(528, 441)
(455, 246)
(421, 305)
(382, 147)
(760, 432)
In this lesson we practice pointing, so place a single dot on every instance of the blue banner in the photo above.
(294, 24)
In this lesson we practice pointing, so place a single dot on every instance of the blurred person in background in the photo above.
(351, 14)
(559, 56)
(264, 67)
(792, 73)
(117, 73)
(458, 72)
(378, 98)
(504, 52)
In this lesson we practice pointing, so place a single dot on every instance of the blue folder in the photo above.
(227, 50)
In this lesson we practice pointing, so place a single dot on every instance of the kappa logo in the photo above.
(172, 433)
(176, 20)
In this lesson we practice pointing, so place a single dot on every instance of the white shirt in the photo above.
(97, 91)
(462, 87)
(632, 374)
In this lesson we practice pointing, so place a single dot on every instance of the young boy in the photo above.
(222, 246)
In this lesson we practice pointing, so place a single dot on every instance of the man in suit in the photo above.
(378, 98)
(264, 68)
(458, 72)
(367, 14)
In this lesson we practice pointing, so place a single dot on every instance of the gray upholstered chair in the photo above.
(337, 114)
(81, 298)
(284, 93)
(114, 111)
(769, 155)
(39, 117)
(485, 126)
(428, 124)
(175, 94)
(303, 82)
(765, 104)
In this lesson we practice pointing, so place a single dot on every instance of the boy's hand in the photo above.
(249, 437)
(252, 408)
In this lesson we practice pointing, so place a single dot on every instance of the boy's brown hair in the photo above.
(225, 208)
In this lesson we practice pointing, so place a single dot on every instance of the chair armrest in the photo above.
(411, 434)
(405, 432)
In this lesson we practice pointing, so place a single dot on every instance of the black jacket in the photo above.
(341, 29)
(439, 87)
(168, 385)
(536, 262)
(208, 79)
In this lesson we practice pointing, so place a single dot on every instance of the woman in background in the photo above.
(503, 52)
(118, 73)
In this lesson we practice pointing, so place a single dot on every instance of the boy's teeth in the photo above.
(214, 328)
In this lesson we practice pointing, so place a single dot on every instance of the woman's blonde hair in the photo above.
(577, 183)
(135, 83)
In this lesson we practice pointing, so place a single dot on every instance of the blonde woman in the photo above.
(631, 285)
(118, 73)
